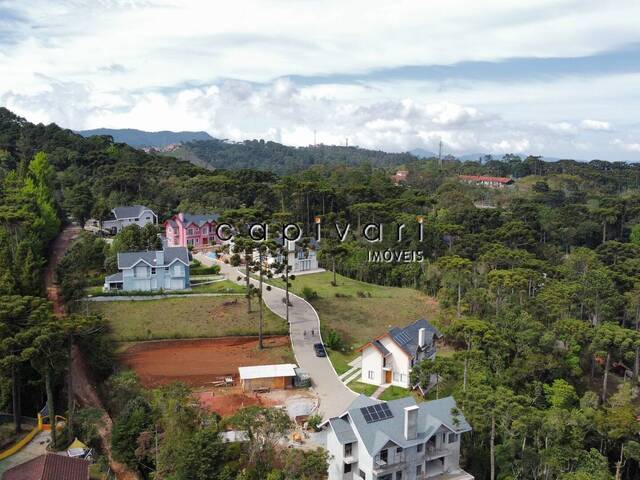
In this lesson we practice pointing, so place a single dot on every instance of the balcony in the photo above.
(431, 453)
(392, 461)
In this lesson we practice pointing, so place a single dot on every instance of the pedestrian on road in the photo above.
(305, 334)
(312, 334)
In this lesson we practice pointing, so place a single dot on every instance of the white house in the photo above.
(397, 440)
(130, 215)
(389, 358)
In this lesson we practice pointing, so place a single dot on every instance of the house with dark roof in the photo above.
(129, 215)
(397, 440)
(50, 467)
(166, 269)
(192, 231)
(388, 359)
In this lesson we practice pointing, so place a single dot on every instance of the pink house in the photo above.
(188, 230)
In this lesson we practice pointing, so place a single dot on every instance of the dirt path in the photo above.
(60, 246)
(83, 389)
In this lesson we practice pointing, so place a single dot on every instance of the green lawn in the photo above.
(362, 311)
(185, 317)
(340, 360)
(364, 388)
(393, 393)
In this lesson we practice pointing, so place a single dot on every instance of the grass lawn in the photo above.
(362, 311)
(394, 392)
(340, 360)
(187, 317)
(364, 388)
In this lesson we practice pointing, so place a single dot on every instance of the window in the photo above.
(189, 231)
(347, 467)
(453, 437)
(137, 219)
(205, 231)
(388, 476)
(420, 447)
(348, 449)
(153, 271)
(398, 475)
(147, 218)
(370, 375)
(399, 450)
(419, 469)
(384, 455)
(361, 474)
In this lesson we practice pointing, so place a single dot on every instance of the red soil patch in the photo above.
(226, 402)
(200, 361)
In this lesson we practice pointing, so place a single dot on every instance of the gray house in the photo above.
(397, 440)
(166, 269)
(130, 215)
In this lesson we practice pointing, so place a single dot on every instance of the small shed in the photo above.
(266, 377)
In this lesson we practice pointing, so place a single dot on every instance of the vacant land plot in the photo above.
(361, 311)
(185, 317)
(199, 362)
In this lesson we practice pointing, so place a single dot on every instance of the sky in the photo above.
(559, 78)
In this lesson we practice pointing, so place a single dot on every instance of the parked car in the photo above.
(320, 351)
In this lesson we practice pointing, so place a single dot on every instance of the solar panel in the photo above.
(376, 413)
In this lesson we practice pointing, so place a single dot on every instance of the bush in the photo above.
(314, 422)
(309, 293)
(333, 340)
(342, 295)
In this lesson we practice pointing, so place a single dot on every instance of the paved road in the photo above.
(334, 396)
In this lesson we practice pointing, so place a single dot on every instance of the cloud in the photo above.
(394, 75)
(627, 146)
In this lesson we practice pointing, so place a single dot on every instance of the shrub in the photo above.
(314, 421)
(333, 340)
(309, 293)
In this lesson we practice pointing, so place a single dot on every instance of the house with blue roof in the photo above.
(397, 440)
(388, 359)
(166, 269)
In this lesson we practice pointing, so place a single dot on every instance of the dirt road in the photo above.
(83, 389)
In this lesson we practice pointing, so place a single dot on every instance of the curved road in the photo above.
(334, 396)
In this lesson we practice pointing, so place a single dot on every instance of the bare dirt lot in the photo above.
(198, 362)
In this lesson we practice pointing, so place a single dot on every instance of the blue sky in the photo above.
(559, 78)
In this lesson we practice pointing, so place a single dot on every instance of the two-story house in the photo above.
(397, 440)
(189, 230)
(166, 269)
(301, 259)
(389, 358)
(129, 215)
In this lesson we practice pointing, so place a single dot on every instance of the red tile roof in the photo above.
(50, 467)
(480, 178)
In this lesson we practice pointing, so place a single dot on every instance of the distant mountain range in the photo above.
(142, 139)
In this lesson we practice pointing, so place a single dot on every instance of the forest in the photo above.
(539, 284)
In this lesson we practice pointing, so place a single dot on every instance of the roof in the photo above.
(481, 178)
(171, 254)
(267, 371)
(200, 219)
(375, 435)
(407, 337)
(381, 347)
(116, 277)
(132, 211)
(342, 429)
(50, 467)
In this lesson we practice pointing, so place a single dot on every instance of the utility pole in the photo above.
(346, 142)
(440, 154)
(315, 143)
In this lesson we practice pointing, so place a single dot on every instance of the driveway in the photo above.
(334, 396)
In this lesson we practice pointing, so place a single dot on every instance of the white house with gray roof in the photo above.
(129, 215)
(397, 440)
(166, 269)
(388, 359)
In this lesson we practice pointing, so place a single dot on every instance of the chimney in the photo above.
(422, 337)
(181, 216)
(160, 258)
(411, 422)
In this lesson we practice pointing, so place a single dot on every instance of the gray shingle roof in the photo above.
(431, 416)
(342, 429)
(200, 219)
(116, 277)
(132, 211)
(171, 254)
(381, 347)
(407, 337)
